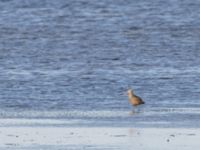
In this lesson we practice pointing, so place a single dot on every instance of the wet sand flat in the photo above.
(98, 138)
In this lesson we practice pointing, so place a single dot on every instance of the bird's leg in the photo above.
(137, 109)
(140, 108)
(133, 111)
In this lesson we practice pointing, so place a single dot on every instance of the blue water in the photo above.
(71, 62)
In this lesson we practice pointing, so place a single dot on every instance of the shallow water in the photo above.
(73, 60)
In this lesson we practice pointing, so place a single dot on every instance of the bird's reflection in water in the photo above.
(133, 132)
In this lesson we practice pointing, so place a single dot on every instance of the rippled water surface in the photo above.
(70, 62)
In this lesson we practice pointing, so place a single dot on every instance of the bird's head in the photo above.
(130, 92)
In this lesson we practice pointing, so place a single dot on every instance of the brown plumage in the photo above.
(133, 99)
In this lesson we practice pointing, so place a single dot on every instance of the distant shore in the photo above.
(99, 138)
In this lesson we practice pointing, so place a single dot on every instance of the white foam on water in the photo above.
(31, 122)
(65, 114)
(96, 114)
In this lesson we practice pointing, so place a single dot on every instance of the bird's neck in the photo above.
(131, 95)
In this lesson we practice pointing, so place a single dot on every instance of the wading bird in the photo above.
(134, 99)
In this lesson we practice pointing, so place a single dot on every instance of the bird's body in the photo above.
(133, 99)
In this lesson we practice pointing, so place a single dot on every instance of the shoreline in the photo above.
(99, 138)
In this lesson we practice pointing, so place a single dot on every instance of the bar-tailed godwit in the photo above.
(134, 99)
